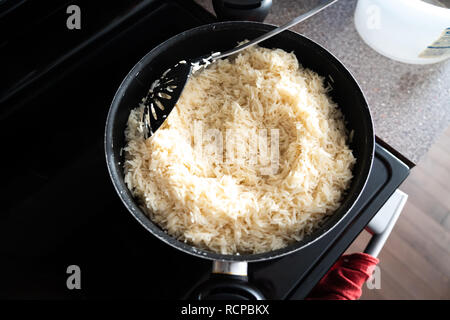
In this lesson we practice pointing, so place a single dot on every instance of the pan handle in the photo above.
(228, 281)
(238, 268)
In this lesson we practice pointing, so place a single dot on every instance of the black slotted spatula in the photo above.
(165, 91)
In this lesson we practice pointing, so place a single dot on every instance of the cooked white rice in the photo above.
(233, 207)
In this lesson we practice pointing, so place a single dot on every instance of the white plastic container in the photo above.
(410, 31)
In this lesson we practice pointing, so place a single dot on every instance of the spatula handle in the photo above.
(322, 5)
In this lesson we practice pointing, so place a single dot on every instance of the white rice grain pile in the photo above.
(230, 207)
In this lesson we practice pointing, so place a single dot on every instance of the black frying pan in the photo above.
(220, 37)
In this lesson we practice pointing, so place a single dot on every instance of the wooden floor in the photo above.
(415, 262)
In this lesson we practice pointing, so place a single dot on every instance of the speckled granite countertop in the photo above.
(410, 104)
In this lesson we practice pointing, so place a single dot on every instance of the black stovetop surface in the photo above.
(59, 207)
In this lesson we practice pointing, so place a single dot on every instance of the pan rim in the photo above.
(158, 232)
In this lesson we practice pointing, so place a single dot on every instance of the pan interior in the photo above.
(220, 37)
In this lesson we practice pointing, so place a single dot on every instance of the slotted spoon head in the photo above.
(165, 92)
(163, 95)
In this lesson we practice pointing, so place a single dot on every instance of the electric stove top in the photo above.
(59, 207)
